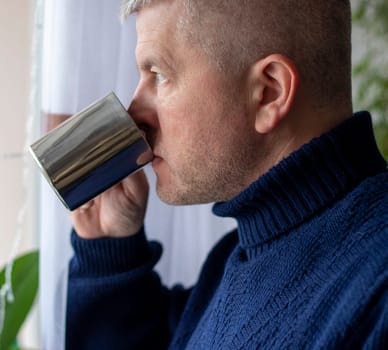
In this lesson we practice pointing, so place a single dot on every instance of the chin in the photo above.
(176, 197)
(173, 191)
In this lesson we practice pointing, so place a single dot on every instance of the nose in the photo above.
(143, 109)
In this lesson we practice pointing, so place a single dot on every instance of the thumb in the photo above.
(136, 185)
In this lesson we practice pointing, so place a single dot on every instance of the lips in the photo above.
(156, 160)
(150, 138)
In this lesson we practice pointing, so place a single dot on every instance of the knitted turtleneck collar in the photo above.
(305, 182)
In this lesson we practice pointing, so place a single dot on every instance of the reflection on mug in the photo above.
(91, 151)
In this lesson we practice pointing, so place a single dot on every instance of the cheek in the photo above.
(181, 117)
(195, 118)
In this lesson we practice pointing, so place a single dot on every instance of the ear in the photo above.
(273, 83)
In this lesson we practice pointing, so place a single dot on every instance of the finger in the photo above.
(136, 184)
(144, 158)
(86, 206)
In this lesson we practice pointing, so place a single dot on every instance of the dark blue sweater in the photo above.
(306, 269)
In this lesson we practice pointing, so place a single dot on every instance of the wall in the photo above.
(16, 27)
(16, 21)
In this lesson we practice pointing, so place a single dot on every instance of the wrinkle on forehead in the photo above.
(154, 51)
(156, 27)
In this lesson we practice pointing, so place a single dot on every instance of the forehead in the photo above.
(158, 21)
(158, 38)
(162, 40)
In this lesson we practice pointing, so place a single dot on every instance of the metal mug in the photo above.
(91, 151)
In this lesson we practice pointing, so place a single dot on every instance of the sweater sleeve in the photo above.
(115, 299)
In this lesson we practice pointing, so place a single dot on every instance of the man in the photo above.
(247, 104)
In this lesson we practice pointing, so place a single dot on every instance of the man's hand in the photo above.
(117, 212)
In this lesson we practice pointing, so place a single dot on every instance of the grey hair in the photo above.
(130, 6)
(315, 35)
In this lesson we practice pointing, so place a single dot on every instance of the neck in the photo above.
(299, 128)
(304, 183)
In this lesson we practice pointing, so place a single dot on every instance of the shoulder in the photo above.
(367, 238)
(367, 204)
(368, 244)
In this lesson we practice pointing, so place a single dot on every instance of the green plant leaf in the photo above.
(25, 275)
(381, 132)
(370, 73)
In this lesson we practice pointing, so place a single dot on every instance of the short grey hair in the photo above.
(130, 6)
(235, 34)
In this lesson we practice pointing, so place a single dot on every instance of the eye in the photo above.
(159, 77)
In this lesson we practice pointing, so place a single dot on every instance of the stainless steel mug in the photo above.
(91, 151)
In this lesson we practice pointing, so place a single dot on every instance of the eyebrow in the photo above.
(147, 63)
(151, 60)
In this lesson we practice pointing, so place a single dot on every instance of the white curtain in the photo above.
(86, 54)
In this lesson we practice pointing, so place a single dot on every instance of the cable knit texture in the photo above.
(306, 268)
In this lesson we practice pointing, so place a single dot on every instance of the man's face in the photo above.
(202, 136)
